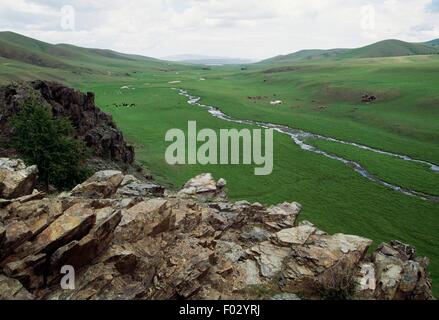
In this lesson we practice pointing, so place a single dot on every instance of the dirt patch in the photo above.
(281, 69)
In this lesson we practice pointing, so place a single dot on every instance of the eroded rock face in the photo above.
(16, 179)
(400, 275)
(181, 246)
(322, 259)
(91, 125)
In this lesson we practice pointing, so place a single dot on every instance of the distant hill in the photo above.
(307, 55)
(391, 48)
(26, 50)
(386, 48)
(206, 60)
(434, 42)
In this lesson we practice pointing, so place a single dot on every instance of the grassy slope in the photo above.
(386, 48)
(66, 62)
(404, 120)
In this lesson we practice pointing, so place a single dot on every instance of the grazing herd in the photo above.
(124, 105)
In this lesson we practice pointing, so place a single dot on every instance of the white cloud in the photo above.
(245, 28)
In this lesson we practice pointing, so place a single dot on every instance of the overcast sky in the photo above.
(252, 29)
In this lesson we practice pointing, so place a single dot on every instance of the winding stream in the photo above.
(299, 137)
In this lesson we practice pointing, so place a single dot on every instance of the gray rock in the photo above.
(16, 180)
(12, 289)
(295, 236)
(270, 258)
(138, 189)
(102, 184)
(255, 234)
(286, 297)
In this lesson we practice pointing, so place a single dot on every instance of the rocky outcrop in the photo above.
(204, 187)
(91, 125)
(16, 179)
(178, 246)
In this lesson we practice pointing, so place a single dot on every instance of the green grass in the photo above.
(321, 96)
(409, 175)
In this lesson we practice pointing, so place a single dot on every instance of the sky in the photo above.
(252, 29)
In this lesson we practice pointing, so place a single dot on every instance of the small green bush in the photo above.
(47, 142)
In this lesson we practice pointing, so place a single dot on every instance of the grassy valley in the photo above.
(321, 91)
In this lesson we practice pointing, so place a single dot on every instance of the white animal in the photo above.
(276, 102)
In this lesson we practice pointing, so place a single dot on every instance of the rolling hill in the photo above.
(386, 48)
(21, 54)
(434, 42)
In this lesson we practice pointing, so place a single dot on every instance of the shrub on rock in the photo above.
(46, 142)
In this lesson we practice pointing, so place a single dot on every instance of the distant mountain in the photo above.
(26, 50)
(386, 48)
(206, 60)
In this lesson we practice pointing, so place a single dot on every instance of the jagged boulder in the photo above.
(102, 184)
(16, 179)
